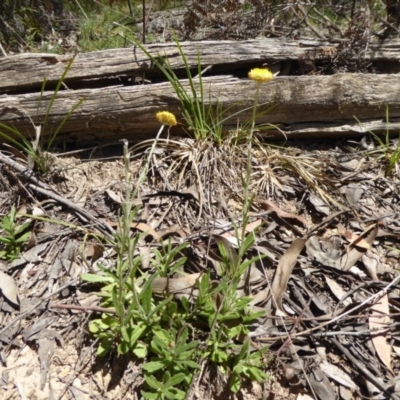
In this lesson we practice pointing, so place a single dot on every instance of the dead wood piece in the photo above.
(26, 72)
(128, 112)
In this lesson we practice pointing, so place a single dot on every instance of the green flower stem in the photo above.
(146, 167)
(249, 154)
(127, 245)
(256, 98)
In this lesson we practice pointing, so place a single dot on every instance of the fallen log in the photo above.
(115, 106)
(128, 112)
(26, 72)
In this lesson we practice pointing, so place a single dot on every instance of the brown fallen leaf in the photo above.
(350, 257)
(250, 227)
(269, 205)
(183, 285)
(140, 226)
(92, 251)
(284, 270)
(352, 238)
(380, 332)
(9, 289)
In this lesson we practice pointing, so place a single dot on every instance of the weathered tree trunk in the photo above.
(306, 106)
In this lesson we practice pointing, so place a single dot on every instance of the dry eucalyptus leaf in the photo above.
(380, 332)
(329, 257)
(269, 205)
(304, 396)
(140, 226)
(145, 256)
(174, 285)
(337, 290)
(250, 227)
(349, 258)
(9, 288)
(351, 165)
(320, 384)
(93, 251)
(371, 264)
(319, 204)
(284, 270)
(353, 194)
(352, 238)
(45, 352)
(338, 375)
(117, 198)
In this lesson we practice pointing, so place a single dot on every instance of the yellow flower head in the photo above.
(261, 75)
(166, 118)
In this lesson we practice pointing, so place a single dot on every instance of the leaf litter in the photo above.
(326, 220)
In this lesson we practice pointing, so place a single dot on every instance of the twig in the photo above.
(357, 364)
(315, 30)
(34, 307)
(144, 21)
(391, 26)
(328, 318)
(335, 333)
(333, 25)
(131, 10)
(296, 323)
(371, 299)
(83, 308)
(48, 191)
(3, 51)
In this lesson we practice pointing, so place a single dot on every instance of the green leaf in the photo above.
(123, 348)
(238, 368)
(153, 366)
(234, 383)
(175, 380)
(246, 263)
(185, 304)
(167, 376)
(152, 382)
(188, 346)
(146, 297)
(235, 331)
(160, 346)
(23, 226)
(20, 142)
(5, 240)
(94, 278)
(163, 335)
(171, 309)
(244, 350)
(183, 337)
(104, 347)
(247, 243)
(94, 327)
(22, 239)
(150, 396)
(228, 317)
(190, 364)
(98, 325)
(219, 356)
(124, 333)
(175, 394)
(140, 350)
(160, 306)
(137, 333)
(256, 374)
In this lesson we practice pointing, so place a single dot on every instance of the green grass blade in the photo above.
(65, 119)
(55, 93)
